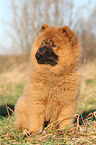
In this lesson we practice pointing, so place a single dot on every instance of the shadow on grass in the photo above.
(3, 110)
(84, 115)
(4, 113)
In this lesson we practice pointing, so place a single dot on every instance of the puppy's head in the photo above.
(55, 50)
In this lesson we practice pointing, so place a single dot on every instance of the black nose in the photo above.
(41, 49)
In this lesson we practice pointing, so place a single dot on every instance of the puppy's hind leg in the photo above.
(20, 114)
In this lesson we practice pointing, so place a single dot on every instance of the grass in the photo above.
(11, 87)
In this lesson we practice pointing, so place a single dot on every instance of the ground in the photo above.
(12, 81)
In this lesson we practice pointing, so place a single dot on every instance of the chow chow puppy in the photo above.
(52, 88)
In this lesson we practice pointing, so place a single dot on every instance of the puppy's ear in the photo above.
(68, 33)
(44, 26)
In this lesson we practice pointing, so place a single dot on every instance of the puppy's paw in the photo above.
(26, 133)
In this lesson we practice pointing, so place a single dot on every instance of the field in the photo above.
(12, 81)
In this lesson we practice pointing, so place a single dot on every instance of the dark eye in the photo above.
(53, 45)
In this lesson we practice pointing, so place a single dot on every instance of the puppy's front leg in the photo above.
(66, 116)
(35, 118)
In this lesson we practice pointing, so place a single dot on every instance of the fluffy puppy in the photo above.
(52, 88)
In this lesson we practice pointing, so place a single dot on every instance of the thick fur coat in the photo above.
(52, 88)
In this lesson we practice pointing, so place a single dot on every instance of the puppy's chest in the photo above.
(55, 88)
(51, 90)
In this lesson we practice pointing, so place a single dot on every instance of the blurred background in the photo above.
(20, 21)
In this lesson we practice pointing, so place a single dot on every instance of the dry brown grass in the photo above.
(87, 99)
(13, 68)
